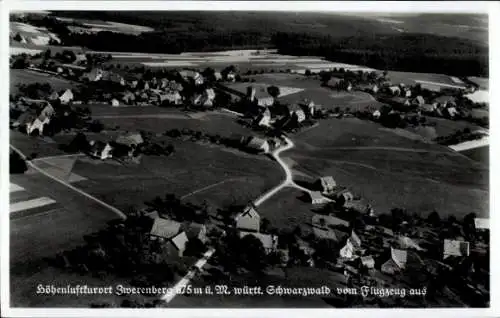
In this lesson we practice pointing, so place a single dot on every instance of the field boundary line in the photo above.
(104, 204)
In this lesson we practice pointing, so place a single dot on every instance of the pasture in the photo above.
(409, 78)
(192, 167)
(27, 77)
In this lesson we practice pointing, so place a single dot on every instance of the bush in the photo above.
(17, 164)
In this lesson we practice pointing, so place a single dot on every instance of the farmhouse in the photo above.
(325, 184)
(25, 120)
(317, 198)
(249, 219)
(100, 150)
(66, 97)
(407, 243)
(455, 248)
(367, 261)
(376, 114)
(296, 112)
(394, 90)
(427, 108)
(37, 124)
(177, 244)
(269, 242)
(172, 97)
(257, 144)
(260, 95)
(347, 252)
(355, 240)
(94, 75)
(264, 119)
(444, 101)
(165, 229)
(343, 197)
(309, 107)
(47, 110)
(451, 112)
(130, 140)
(396, 263)
(482, 224)
(197, 230)
(193, 76)
(218, 76)
(128, 97)
(419, 100)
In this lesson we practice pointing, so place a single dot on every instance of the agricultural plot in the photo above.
(409, 78)
(28, 145)
(386, 189)
(191, 168)
(26, 77)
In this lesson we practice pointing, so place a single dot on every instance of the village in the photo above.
(449, 257)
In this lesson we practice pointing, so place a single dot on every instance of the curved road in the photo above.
(288, 182)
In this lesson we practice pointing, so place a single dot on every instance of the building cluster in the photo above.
(124, 146)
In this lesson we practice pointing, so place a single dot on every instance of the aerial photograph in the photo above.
(248, 159)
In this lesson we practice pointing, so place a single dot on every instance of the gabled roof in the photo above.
(399, 257)
(256, 142)
(329, 220)
(327, 182)
(130, 139)
(332, 234)
(444, 99)
(316, 195)
(407, 243)
(179, 241)
(368, 261)
(268, 241)
(355, 240)
(419, 99)
(248, 212)
(455, 248)
(165, 228)
(482, 223)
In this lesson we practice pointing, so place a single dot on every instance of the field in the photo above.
(481, 154)
(409, 78)
(99, 25)
(29, 77)
(390, 170)
(29, 145)
(226, 177)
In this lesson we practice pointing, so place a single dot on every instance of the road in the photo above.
(168, 297)
(288, 182)
(102, 203)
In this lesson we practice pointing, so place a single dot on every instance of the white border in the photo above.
(311, 6)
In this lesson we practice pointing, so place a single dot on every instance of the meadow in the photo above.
(27, 77)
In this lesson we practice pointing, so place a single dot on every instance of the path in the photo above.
(288, 182)
(35, 167)
(168, 297)
(208, 187)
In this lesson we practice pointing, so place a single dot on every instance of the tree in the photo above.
(469, 225)
(194, 247)
(47, 55)
(79, 144)
(264, 225)
(96, 126)
(274, 91)
(252, 253)
(17, 164)
(434, 218)
(307, 72)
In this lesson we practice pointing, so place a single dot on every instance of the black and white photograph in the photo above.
(165, 158)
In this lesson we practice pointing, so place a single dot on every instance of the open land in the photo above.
(27, 77)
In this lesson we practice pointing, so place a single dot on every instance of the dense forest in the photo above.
(406, 52)
(338, 38)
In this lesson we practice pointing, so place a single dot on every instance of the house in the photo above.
(172, 97)
(376, 114)
(66, 97)
(249, 219)
(217, 76)
(269, 242)
(367, 261)
(258, 145)
(197, 230)
(193, 76)
(177, 244)
(407, 243)
(297, 112)
(317, 198)
(165, 229)
(114, 102)
(25, 120)
(396, 263)
(309, 107)
(369, 88)
(329, 221)
(325, 184)
(419, 100)
(208, 97)
(347, 252)
(355, 240)
(37, 124)
(455, 248)
(260, 95)
(329, 234)
(100, 150)
(343, 196)
(264, 119)
(47, 110)
(451, 112)
(427, 108)
(131, 140)
(482, 224)
(80, 59)
(113, 78)
(231, 76)
(407, 92)
(394, 90)
(54, 96)
(94, 75)
(444, 101)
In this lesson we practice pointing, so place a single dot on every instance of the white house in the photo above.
(326, 184)
(455, 248)
(394, 90)
(258, 144)
(66, 97)
(115, 102)
(100, 150)
(249, 219)
(317, 198)
(264, 119)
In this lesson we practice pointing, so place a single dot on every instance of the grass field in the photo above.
(409, 78)
(29, 145)
(29, 77)
(191, 168)
(481, 154)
